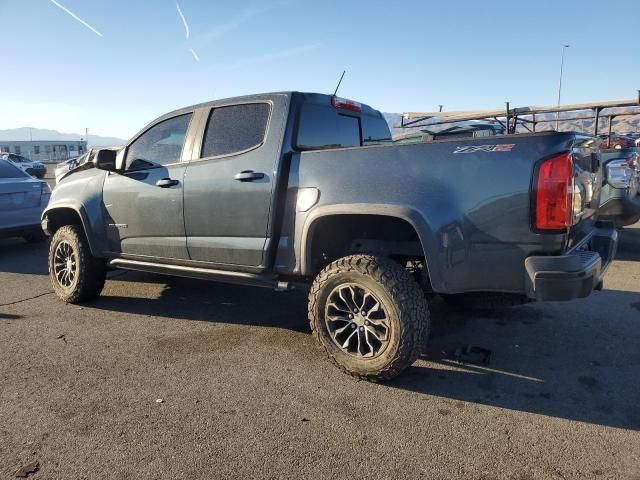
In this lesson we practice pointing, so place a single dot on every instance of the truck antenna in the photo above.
(339, 82)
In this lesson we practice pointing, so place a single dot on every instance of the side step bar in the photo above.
(240, 278)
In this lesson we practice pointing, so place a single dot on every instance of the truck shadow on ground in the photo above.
(544, 359)
(19, 256)
(538, 360)
(199, 300)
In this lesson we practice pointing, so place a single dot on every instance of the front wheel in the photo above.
(369, 315)
(76, 275)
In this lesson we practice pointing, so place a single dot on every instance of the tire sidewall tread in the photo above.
(401, 292)
(91, 274)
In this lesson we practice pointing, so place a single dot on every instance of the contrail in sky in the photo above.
(195, 55)
(184, 20)
(77, 18)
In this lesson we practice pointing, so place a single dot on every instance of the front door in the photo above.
(144, 201)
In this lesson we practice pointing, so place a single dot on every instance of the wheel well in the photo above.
(60, 217)
(336, 236)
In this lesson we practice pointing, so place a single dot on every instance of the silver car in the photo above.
(22, 201)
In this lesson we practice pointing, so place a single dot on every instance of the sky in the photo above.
(112, 66)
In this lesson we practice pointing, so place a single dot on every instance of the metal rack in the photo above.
(526, 117)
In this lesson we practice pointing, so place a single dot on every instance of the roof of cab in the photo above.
(318, 98)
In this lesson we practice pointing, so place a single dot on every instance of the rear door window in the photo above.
(235, 129)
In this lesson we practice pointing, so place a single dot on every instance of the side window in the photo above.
(375, 131)
(235, 128)
(160, 145)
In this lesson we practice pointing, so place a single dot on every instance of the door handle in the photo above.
(248, 176)
(167, 182)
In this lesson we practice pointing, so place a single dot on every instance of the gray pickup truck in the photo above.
(300, 187)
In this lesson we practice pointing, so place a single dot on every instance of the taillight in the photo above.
(554, 195)
(345, 104)
(45, 189)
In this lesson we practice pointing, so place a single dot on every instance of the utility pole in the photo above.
(564, 47)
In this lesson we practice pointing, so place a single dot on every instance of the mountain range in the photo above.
(28, 133)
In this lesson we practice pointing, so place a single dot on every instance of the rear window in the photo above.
(7, 170)
(321, 127)
(235, 129)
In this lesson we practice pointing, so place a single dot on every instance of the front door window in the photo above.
(161, 145)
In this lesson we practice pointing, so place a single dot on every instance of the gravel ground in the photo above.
(174, 378)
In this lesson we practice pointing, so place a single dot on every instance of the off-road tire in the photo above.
(402, 300)
(91, 271)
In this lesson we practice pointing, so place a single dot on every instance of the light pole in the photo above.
(564, 47)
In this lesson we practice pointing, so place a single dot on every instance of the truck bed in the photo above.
(472, 209)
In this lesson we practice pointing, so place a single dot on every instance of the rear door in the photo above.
(144, 202)
(230, 181)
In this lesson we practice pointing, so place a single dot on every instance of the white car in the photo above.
(35, 169)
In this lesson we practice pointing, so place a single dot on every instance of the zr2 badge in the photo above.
(504, 147)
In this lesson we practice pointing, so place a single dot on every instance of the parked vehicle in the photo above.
(63, 167)
(35, 169)
(472, 129)
(620, 198)
(274, 188)
(22, 201)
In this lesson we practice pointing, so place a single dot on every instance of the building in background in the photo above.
(45, 150)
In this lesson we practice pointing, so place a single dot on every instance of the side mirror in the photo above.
(105, 160)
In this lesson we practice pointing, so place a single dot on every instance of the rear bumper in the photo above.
(575, 274)
(621, 211)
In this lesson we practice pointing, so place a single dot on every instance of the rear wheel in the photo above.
(75, 274)
(369, 315)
